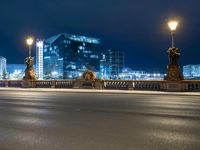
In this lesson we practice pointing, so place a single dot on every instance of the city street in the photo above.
(41, 120)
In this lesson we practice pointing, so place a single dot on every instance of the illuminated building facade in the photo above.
(67, 56)
(129, 74)
(103, 67)
(16, 71)
(2, 66)
(39, 60)
(112, 63)
(191, 70)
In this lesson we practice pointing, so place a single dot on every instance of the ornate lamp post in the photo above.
(29, 72)
(29, 42)
(173, 68)
(173, 25)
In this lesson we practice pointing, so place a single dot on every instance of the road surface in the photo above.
(97, 121)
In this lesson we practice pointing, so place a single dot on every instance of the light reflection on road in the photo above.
(53, 120)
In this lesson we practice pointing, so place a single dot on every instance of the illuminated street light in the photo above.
(29, 72)
(29, 42)
(173, 25)
(173, 68)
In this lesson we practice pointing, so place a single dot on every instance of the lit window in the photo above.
(94, 56)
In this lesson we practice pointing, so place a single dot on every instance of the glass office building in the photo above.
(67, 56)
(112, 63)
(191, 70)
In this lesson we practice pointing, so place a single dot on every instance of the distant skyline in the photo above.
(138, 27)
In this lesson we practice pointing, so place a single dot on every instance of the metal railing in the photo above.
(185, 85)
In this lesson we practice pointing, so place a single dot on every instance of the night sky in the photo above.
(137, 27)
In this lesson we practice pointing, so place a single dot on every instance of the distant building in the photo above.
(15, 71)
(67, 56)
(112, 63)
(103, 67)
(191, 70)
(39, 59)
(3, 64)
(129, 74)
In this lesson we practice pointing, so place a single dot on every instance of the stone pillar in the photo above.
(131, 85)
(173, 73)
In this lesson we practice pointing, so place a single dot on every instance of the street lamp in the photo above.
(173, 68)
(29, 72)
(29, 42)
(173, 25)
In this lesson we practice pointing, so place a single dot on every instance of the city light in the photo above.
(29, 41)
(40, 44)
(173, 25)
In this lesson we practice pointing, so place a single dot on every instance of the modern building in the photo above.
(129, 74)
(39, 59)
(3, 64)
(111, 64)
(191, 70)
(67, 56)
(103, 67)
(15, 71)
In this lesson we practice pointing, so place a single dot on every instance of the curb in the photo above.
(103, 91)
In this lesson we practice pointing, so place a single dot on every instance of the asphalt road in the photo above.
(92, 121)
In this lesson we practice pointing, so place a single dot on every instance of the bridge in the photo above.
(182, 86)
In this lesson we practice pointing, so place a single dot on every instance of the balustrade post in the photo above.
(99, 84)
(53, 84)
(33, 84)
(184, 87)
(130, 85)
(6, 83)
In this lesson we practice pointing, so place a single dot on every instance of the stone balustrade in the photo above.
(184, 86)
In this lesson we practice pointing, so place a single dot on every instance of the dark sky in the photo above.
(137, 27)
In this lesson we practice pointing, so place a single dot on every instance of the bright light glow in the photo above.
(173, 25)
(54, 73)
(80, 74)
(40, 44)
(29, 41)
(17, 75)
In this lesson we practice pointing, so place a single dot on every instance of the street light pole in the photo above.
(173, 68)
(29, 42)
(29, 51)
(173, 25)
(173, 39)
(29, 72)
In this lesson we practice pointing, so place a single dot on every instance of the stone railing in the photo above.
(117, 84)
(132, 85)
(192, 85)
(186, 85)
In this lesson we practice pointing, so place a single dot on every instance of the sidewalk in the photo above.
(100, 91)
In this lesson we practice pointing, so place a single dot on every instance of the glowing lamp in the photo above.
(29, 41)
(173, 25)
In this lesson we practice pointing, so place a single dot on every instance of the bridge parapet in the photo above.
(154, 85)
